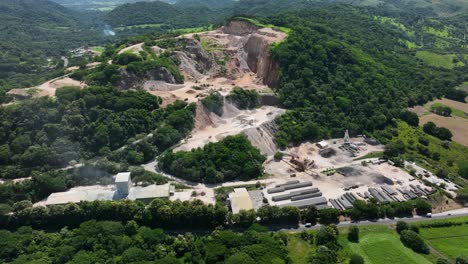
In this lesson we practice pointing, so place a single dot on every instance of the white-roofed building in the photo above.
(89, 193)
(123, 182)
(322, 144)
(240, 200)
(151, 192)
(123, 189)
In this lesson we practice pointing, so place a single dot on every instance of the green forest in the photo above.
(33, 36)
(337, 76)
(99, 242)
(232, 158)
(103, 127)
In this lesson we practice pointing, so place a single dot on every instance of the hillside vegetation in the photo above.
(336, 76)
(31, 32)
(445, 159)
(167, 15)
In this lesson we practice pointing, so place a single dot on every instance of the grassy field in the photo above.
(450, 241)
(376, 154)
(450, 103)
(457, 122)
(381, 245)
(98, 49)
(439, 60)
(298, 248)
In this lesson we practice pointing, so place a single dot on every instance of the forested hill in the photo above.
(209, 11)
(39, 11)
(32, 31)
(205, 3)
(99, 5)
(342, 70)
(160, 13)
(438, 8)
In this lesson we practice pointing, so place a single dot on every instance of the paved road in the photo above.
(444, 215)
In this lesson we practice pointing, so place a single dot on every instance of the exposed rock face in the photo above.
(129, 80)
(255, 49)
(240, 28)
(195, 62)
(260, 60)
(262, 137)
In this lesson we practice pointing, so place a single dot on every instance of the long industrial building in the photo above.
(302, 204)
(123, 189)
(297, 194)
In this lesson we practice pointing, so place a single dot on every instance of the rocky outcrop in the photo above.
(260, 60)
(262, 137)
(130, 80)
(254, 50)
(194, 61)
(240, 28)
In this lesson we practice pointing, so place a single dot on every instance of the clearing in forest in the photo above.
(447, 61)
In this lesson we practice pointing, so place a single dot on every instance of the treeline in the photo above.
(232, 158)
(80, 123)
(195, 215)
(409, 236)
(438, 132)
(116, 242)
(174, 215)
(243, 98)
(332, 74)
(373, 210)
(404, 142)
(442, 110)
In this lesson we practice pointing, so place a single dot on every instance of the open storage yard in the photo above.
(342, 176)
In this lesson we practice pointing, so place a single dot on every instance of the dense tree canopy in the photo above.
(97, 242)
(232, 158)
(336, 75)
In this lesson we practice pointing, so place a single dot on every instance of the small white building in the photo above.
(322, 144)
(123, 182)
